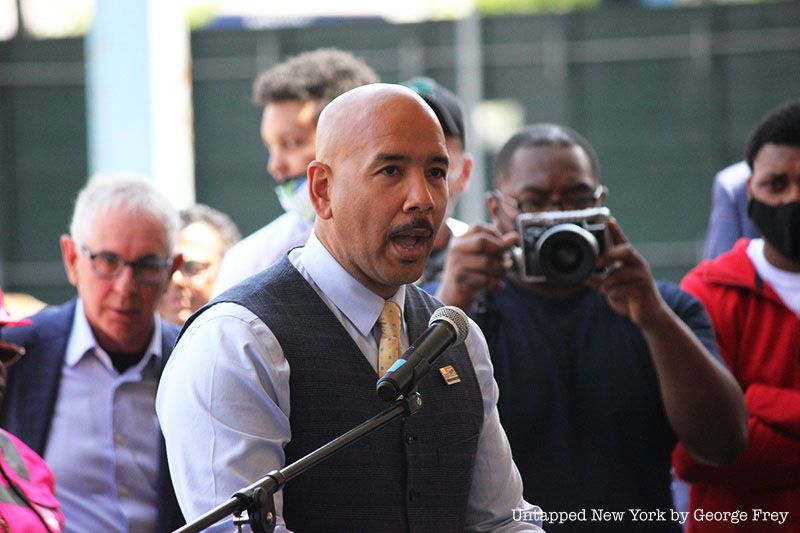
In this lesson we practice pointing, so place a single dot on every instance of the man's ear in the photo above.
(177, 261)
(466, 172)
(603, 195)
(493, 207)
(319, 185)
(69, 254)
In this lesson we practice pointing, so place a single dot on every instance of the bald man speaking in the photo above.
(286, 361)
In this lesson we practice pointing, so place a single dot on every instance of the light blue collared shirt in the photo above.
(224, 406)
(103, 446)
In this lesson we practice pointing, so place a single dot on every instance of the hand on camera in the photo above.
(474, 262)
(628, 284)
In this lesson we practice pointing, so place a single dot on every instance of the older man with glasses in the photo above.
(83, 396)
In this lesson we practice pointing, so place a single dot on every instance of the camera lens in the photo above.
(566, 254)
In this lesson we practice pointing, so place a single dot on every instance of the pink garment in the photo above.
(27, 489)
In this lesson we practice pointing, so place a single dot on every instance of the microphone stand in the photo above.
(257, 500)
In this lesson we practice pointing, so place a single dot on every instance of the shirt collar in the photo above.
(359, 304)
(82, 341)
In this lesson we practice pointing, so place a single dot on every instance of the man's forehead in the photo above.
(422, 157)
(776, 160)
(288, 117)
(299, 107)
(397, 138)
(386, 137)
(117, 229)
(543, 160)
(772, 153)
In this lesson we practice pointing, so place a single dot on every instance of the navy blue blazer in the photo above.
(33, 382)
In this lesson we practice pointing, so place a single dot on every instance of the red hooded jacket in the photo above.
(759, 337)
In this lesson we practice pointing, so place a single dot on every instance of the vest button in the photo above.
(410, 438)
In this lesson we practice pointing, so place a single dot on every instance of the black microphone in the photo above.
(447, 327)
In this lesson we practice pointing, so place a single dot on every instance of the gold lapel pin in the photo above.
(450, 375)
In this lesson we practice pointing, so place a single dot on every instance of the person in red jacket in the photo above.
(752, 295)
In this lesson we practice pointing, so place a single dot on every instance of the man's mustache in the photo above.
(416, 224)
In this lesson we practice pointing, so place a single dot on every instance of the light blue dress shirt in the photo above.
(223, 401)
(103, 446)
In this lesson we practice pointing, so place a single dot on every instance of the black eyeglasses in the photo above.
(568, 202)
(108, 265)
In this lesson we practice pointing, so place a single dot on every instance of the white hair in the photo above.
(105, 193)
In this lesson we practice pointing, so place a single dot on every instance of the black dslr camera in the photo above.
(560, 247)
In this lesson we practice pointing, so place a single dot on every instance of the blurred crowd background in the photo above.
(667, 91)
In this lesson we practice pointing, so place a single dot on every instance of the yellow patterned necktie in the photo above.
(389, 345)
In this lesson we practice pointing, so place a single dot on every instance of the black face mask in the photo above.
(780, 225)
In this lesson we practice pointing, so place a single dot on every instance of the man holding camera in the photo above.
(598, 378)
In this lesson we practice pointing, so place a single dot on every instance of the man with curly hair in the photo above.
(292, 95)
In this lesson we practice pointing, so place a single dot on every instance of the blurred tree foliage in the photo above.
(504, 7)
(499, 7)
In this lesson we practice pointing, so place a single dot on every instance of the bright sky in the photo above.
(8, 22)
